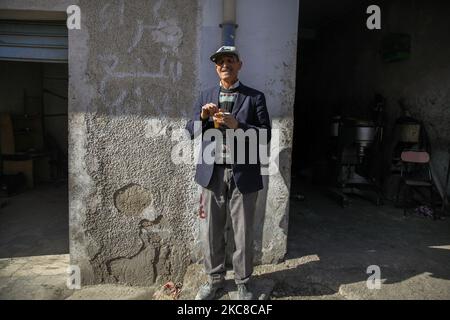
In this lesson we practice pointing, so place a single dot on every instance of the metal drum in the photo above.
(334, 130)
(359, 131)
(365, 133)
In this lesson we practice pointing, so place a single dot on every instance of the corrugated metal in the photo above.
(33, 41)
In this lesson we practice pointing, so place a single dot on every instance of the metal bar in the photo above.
(34, 34)
(37, 46)
(33, 60)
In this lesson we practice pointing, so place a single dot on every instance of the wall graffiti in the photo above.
(164, 37)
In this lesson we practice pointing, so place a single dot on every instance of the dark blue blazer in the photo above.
(250, 111)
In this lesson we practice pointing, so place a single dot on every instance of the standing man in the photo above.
(228, 185)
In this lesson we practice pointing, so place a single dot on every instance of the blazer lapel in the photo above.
(239, 100)
(215, 96)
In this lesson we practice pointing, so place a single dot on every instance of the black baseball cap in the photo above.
(224, 50)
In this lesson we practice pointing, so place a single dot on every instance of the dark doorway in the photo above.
(34, 138)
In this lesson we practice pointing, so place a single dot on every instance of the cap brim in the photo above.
(214, 57)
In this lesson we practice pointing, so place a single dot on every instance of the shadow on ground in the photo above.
(413, 253)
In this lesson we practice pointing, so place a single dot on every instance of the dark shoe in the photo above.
(208, 291)
(244, 293)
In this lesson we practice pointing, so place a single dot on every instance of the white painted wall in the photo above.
(267, 40)
(210, 40)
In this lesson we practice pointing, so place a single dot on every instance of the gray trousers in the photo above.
(217, 200)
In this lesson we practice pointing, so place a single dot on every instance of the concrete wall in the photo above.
(133, 74)
(134, 71)
(348, 71)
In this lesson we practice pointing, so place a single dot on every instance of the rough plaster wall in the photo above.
(350, 70)
(136, 222)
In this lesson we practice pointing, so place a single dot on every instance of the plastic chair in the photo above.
(416, 173)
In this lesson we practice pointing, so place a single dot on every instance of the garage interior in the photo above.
(34, 141)
(362, 98)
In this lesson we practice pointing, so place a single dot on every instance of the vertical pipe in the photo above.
(229, 11)
(229, 22)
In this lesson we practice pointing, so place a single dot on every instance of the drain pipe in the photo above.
(229, 22)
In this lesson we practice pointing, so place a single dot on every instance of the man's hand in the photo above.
(229, 120)
(208, 110)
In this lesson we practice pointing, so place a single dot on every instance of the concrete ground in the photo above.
(329, 251)
(34, 247)
(44, 278)
(413, 253)
(34, 244)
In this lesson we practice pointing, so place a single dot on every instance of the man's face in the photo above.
(227, 67)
